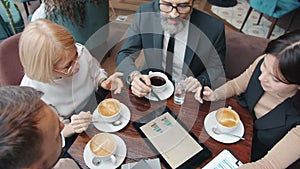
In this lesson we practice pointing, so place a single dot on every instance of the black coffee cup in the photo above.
(157, 81)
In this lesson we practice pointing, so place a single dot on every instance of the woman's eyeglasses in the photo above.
(182, 8)
(71, 68)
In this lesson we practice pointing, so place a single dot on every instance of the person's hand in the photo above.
(66, 163)
(192, 84)
(113, 83)
(207, 94)
(139, 88)
(81, 121)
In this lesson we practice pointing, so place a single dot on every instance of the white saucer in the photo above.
(210, 122)
(108, 127)
(164, 94)
(120, 155)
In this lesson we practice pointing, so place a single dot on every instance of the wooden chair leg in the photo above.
(26, 8)
(112, 8)
(247, 15)
(290, 21)
(259, 19)
(272, 27)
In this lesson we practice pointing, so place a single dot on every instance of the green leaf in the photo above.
(16, 6)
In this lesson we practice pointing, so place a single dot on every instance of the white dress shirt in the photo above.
(179, 50)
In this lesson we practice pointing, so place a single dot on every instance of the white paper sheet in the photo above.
(224, 160)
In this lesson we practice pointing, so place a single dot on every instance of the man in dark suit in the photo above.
(199, 50)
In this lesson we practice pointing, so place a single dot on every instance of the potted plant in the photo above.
(6, 5)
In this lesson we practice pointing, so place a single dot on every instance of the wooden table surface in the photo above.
(191, 113)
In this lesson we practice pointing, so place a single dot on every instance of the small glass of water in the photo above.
(180, 89)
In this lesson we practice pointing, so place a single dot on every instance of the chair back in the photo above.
(275, 8)
(11, 69)
(241, 51)
(5, 32)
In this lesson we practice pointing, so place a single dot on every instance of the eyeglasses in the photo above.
(53, 108)
(71, 68)
(182, 8)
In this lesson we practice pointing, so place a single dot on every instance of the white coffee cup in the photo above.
(109, 109)
(158, 81)
(103, 146)
(227, 119)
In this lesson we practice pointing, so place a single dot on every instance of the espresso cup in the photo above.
(158, 81)
(103, 146)
(227, 119)
(109, 109)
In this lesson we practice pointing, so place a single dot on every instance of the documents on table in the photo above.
(143, 164)
(224, 160)
(171, 140)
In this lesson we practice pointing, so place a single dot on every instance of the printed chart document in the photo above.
(224, 160)
(172, 141)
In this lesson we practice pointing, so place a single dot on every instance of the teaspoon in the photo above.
(116, 123)
(216, 131)
(96, 161)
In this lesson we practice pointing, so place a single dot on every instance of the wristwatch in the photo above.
(132, 75)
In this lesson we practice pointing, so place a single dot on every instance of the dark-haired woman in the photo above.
(66, 8)
(271, 87)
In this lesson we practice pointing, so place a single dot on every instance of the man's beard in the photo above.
(172, 28)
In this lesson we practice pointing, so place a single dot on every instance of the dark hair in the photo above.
(68, 8)
(286, 49)
(20, 139)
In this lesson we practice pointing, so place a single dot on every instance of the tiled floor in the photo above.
(236, 15)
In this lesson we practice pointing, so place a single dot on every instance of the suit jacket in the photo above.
(205, 51)
(275, 124)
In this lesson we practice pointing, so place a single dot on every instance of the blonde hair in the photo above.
(42, 44)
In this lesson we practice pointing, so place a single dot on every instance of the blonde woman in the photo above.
(64, 70)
